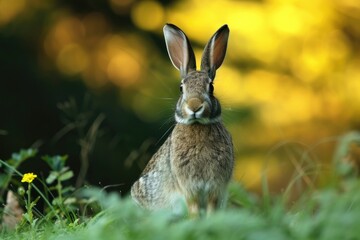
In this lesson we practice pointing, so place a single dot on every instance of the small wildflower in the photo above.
(28, 177)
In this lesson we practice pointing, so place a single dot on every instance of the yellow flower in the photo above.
(28, 177)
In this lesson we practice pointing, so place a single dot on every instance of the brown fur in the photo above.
(196, 162)
(201, 161)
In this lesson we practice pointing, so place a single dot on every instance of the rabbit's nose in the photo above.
(194, 104)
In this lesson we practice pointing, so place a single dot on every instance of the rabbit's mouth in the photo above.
(195, 110)
(193, 119)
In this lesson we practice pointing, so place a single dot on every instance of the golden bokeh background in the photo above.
(289, 85)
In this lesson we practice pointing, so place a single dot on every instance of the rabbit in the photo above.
(196, 161)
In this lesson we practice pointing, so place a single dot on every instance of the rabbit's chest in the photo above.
(201, 156)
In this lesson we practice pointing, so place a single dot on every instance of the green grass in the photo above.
(326, 213)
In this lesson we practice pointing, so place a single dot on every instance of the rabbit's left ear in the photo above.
(214, 52)
(179, 49)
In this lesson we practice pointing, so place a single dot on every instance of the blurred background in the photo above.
(92, 80)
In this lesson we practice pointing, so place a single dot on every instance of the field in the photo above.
(88, 94)
(331, 212)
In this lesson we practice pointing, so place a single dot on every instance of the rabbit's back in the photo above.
(155, 187)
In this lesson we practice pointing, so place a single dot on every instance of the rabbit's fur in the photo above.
(196, 161)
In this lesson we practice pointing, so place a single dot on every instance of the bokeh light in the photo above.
(72, 59)
(148, 15)
(291, 71)
(10, 9)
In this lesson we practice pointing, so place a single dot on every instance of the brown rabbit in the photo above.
(196, 161)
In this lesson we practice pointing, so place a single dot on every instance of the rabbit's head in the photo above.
(197, 102)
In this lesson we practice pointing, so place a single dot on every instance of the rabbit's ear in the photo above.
(214, 52)
(179, 49)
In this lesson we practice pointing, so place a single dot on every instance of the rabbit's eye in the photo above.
(181, 88)
(211, 88)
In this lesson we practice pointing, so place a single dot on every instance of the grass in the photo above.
(331, 212)
(327, 215)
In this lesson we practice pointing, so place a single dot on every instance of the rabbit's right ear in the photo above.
(179, 49)
(214, 52)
